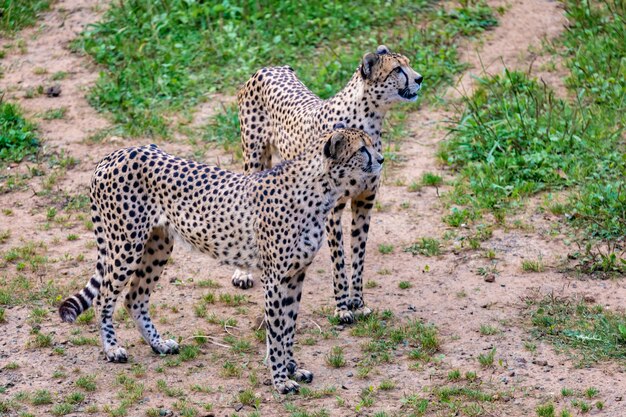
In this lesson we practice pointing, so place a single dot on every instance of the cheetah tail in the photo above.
(73, 306)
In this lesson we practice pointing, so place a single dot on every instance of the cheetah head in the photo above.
(389, 77)
(351, 159)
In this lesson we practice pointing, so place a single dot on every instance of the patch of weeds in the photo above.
(3, 318)
(459, 217)
(231, 370)
(403, 285)
(591, 392)
(385, 248)
(583, 406)
(86, 317)
(426, 246)
(571, 324)
(516, 139)
(249, 398)
(335, 357)
(546, 410)
(188, 352)
(224, 129)
(163, 387)
(208, 283)
(238, 345)
(41, 397)
(233, 300)
(18, 136)
(4, 236)
(533, 266)
(29, 254)
(86, 382)
(204, 48)
(488, 330)
(17, 14)
(454, 375)
(130, 392)
(486, 359)
(58, 76)
(54, 114)
(62, 409)
(415, 403)
(83, 340)
(40, 340)
(432, 180)
(371, 284)
(414, 187)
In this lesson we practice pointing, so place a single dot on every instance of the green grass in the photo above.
(385, 248)
(18, 136)
(53, 114)
(386, 335)
(460, 399)
(486, 359)
(159, 57)
(17, 14)
(515, 138)
(546, 410)
(431, 179)
(533, 266)
(588, 332)
(335, 357)
(426, 246)
(41, 397)
(86, 382)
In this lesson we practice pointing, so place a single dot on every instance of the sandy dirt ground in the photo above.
(446, 290)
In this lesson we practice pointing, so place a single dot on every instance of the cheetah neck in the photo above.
(312, 175)
(358, 108)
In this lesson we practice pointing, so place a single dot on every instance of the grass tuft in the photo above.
(591, 331)
(18, 136)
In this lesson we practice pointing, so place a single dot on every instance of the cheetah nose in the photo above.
(380, 159)
(419, 79)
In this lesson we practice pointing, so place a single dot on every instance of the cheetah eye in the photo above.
(397, 69)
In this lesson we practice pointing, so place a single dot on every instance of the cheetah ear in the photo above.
(369, 60)
(333, 145)
(382, 50)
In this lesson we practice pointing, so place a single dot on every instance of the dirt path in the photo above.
(446, 290)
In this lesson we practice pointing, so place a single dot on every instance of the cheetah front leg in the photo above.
(279, 330)
(291, 305)
(157, 251)
(361, 213)
(340, 279)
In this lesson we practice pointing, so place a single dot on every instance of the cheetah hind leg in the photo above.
(242, 279)
(157, 251)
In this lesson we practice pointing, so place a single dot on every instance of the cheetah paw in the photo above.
(116, 354)
(242, 279)
(362, 312)
(344, 316)
(287, 387)
(302, 375)
(165, 347)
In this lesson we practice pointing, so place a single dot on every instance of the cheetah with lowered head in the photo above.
(141, 198)
(280, 115)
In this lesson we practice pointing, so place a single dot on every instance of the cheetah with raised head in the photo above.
(142, 197)
(280, 115)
